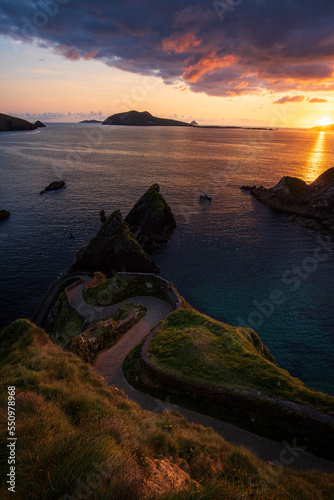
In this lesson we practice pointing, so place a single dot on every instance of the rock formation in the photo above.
(4, 214)
(12, 124)
(54, 186)
(151, 219)
(112, 249)
(39, 124)
(142, 119)
(294, 196)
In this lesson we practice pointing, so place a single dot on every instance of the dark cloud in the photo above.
(220, 47)
(294, 98)
(316, 99)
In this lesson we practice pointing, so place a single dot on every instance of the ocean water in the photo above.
(233, 259)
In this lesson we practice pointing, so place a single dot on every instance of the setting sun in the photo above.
(325, 121)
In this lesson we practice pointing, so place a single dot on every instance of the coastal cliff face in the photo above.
(12, 124)
(151, 219)
(112, 249)
(292, 195)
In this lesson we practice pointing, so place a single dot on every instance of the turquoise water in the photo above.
(233, 258)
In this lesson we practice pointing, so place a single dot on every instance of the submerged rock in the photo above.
(294, 196)
(151, 219)
(54, 186)
(4, 214)
(113, 248)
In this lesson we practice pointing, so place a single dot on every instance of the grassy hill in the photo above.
(77, 438)
(137, 118)
(197, 348)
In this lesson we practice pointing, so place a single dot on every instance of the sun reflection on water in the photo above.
(315, 163)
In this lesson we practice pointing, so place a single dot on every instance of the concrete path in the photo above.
(109, 364)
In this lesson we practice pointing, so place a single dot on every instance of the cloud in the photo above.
(294, 98)
(316, 99)
(257, 46)
(50, 115)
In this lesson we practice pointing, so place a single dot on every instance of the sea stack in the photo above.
(113, 248)
(151, 219)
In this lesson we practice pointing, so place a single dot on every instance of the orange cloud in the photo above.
(207, 64)
(179, 43)
(73, 54)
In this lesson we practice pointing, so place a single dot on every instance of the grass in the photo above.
(66, 323)
(120, 288)
(197, 348)
(103, 334)
(79, 438)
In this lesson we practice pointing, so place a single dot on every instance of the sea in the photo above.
(232, 258)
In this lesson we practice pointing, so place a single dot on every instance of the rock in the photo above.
(248, 188)
(103, 217)
(151, 219)
(113, 248)
(4, 214)
(292, 195)
(39, 124)
(12, 124)
(54, 186)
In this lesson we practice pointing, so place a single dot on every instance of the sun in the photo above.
(325, 121)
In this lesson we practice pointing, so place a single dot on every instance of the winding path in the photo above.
(109, 364)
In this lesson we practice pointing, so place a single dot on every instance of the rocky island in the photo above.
(142, 119)
(313, 201)
(4, 214)
(54, 186)
(13, 124)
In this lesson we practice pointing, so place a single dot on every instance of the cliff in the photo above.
(12, 124)
(112, 249)
(293, 195)
(151, 219)
(85, 440)
(142, 119)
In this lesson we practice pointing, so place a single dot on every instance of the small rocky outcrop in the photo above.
(103, 216)
(294, 196)
(39, 124)
(4, 214)
(113, 248)
(54, 186)
(151, 219)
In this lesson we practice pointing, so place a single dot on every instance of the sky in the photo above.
(223, 62)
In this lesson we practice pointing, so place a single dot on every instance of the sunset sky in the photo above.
(229, 62)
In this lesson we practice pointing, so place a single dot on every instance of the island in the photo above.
(54, 186)
(324, 127)
(142, 119)
(313, 202)
(39, 124)
(13, 124)
(91, 121)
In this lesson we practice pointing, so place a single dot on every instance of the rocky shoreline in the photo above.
(310, 205)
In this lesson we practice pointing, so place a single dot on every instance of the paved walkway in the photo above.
(109, 364)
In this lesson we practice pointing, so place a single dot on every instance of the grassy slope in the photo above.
(78, 437)
(119, 288)
(198, 348)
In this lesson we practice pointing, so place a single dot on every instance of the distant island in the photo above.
(142, 119)
(91, 121)
(324, 127)
(12, 124)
